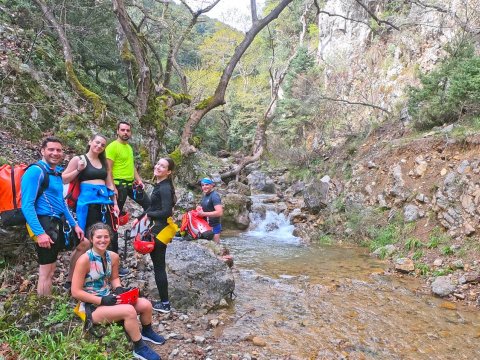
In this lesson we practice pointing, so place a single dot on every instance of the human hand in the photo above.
(82, 164)
(79, 232)
(44, 241)
(120, 290)
(116, 210)
(135, 222)
(109, 300)
(140, 184)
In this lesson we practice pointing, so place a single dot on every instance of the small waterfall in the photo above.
(268, 222)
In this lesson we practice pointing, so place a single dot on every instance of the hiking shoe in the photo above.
(152, 336)
(123, 272)
(145, 353)
(160, 306)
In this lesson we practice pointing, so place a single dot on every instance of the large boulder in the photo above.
(197, 279)
(236, 208)
(316, 195)
(260, 182)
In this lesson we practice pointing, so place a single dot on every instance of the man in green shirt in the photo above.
(121, 168)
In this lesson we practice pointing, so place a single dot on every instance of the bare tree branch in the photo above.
(355, 103)
(253, 10)
(372, 14)
(343, 17)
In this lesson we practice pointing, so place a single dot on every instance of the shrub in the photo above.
(450, 91)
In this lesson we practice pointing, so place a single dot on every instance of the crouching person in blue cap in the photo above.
(211, 207)
(95, 274)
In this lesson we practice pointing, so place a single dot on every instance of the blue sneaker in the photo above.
(145, 353)
(150, 335)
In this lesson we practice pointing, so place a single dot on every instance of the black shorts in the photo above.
(54, 228)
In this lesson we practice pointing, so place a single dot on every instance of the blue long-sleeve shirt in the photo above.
(50, 203)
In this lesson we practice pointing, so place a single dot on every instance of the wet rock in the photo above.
(404, 265)
(448, 305)
(442, 286)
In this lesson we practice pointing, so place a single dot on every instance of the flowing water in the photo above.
(330, 302)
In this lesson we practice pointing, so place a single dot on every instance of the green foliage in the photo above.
(52, 331)
(325, 239)
(62, 312)
(442, 272)
(417, 255)
(412, 244)
(387, 235)
(450, 91)
(447, 250)
(436, 238)
(424, 269)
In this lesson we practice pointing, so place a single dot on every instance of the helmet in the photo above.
(144, 242)
(123, 218)
(129, 297)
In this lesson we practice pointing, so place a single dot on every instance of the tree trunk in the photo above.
(98, 105)
(219, 97)
(144, 81)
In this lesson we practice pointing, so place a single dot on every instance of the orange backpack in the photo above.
(11, 195)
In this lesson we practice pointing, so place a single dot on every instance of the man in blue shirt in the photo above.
(44, 214)
(211, 207)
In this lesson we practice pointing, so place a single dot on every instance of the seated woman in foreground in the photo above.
(93, 272)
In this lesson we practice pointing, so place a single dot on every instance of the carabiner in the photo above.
(66, 233)
(104, 211)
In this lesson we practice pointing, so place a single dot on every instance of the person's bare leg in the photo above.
(216, 238)
(144, 309)
(127, 313)
(79, 250)
(45, 276)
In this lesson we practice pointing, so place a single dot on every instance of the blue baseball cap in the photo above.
(206, 181)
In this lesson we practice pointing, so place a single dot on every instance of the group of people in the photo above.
(107, 176)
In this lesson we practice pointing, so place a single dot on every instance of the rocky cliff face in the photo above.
(369, 64)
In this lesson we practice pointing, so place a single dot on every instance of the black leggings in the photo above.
(95, 215)
(125, 191)
(158, 259)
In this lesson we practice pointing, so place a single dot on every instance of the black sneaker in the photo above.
(67, 285)
(161, 307)
(123, 272)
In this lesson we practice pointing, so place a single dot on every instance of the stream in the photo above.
(331, 302)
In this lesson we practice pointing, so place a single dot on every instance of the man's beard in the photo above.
(125, 137)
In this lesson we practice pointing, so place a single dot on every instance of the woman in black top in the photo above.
(97, 199)
(160, 211)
